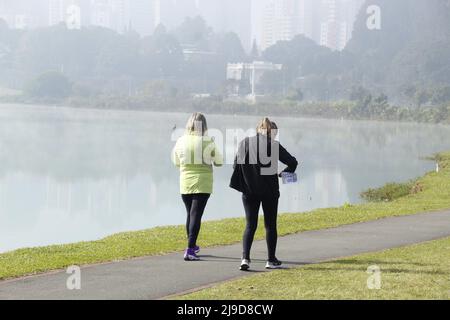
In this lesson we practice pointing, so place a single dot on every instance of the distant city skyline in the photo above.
(327, 22)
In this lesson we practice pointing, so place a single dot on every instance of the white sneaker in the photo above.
(245, 265)
(273, 264)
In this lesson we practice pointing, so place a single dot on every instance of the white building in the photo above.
(249, 73)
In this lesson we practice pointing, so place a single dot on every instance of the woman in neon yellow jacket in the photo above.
(195, 153)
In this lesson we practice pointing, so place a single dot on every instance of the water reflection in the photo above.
(72, 175)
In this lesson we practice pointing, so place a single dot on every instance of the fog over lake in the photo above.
(70, 175)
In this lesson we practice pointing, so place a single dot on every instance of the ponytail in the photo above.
(266, 126)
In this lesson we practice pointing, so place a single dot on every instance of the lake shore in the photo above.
(267, 106)
(432, 193)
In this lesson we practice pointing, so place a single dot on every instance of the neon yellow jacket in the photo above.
(195, 156)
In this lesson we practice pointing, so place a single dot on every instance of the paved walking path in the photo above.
(158, 277)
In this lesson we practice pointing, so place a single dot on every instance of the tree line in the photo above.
(95, 61)
(400, 72)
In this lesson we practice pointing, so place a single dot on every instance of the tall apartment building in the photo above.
(74, 13)
(279, 22)
(18, 14)
(118, 15)
(141, 15)
(327, 22)
(221, 15)
(308, 15)
(101, 13)
(337, 19)
(111, 14)
(56, 12)
(171, 13)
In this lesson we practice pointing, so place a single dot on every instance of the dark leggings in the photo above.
(270, 208)
(195, 206)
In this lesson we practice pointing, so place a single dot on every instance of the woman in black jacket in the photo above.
(256, 176)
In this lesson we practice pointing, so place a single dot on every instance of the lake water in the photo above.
(69, 175)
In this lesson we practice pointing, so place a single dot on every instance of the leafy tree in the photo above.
(194, 32)
(408, 92)
(162, 55)
(254, 54)
(118, 56)
(53, 85)
(363, 105)
(229, 47)
(381, 100)
(83, 90)
(319, 87)
(160, 30)
(411, 48)
(295, 94)
(300, 56)
(358, 93)
(443, 114)
(271, 82)
(407, 59)
(159, 89)
(421, 97)
(440, 95)
(303, 58)
(57, 48)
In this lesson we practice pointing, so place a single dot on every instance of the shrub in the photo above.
(390, 192)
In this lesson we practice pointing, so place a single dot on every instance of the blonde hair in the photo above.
(266, 126)
(197, 124)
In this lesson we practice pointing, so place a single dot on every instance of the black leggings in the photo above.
(270, 208)
(195, 206)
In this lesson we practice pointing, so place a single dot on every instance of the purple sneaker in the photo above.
(197, 249)
(190, 255)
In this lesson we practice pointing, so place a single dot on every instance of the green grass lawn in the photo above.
(432, 193)
(414, 272)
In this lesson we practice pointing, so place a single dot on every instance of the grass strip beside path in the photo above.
(434, 194)
(414, 272)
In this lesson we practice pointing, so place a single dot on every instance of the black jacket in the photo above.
(256, 173)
